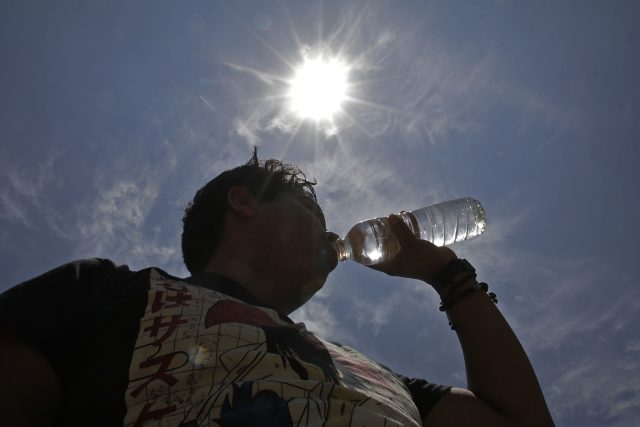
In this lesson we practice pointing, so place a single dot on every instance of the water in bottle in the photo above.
(371, 242)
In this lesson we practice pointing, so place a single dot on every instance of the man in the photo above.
(90, 343)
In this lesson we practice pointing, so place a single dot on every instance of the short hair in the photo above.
(203, 219)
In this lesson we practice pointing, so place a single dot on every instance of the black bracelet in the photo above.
(457, 297)
(454, 274)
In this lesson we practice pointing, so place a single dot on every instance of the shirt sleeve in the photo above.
(49, 310)
(425, 395)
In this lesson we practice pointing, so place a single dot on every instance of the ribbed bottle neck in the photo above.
(342, 248)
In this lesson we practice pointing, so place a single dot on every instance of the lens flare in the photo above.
(318, 88)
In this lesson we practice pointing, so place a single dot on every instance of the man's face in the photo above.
(297, 249)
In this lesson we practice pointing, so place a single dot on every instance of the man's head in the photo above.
(260, 225)
(204, 216)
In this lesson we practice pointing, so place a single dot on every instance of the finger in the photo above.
(400, 229)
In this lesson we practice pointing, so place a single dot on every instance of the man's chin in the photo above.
(310, 288)
(306, 292)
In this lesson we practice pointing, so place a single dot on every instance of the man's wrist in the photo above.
(452, 276)
(447, 291)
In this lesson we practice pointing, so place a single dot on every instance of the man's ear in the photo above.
(242, 201)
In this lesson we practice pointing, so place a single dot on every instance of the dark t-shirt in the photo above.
(142, 347)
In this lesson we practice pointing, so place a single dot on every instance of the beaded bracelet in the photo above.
(454, 274)
(457, 297)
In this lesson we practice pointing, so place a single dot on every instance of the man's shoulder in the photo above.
(92, 272)
(89, 266)
(91, 269)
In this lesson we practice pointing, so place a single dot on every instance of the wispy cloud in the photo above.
(113, 224)
(585, 322)
(581, 388)
(408, 296)
(23, 190)
(250, 127)
(260, 75)
(318, 318)
(348, 188)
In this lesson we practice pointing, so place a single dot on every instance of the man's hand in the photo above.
(417, 259)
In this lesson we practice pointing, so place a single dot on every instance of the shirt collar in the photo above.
(228, 287)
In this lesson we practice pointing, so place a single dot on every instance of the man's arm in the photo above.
(36, 320)
(29, 390)
(502, 387)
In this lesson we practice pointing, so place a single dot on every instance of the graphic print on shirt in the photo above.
(203, 358)
(284, 339)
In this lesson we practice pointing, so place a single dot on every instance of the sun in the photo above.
(318, 88)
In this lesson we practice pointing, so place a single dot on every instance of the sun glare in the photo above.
(318, 88)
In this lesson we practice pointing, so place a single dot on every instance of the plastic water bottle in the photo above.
(371, 242)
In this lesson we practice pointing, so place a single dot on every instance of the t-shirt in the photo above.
(138, 348)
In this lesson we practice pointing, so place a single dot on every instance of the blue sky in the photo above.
(113, 113)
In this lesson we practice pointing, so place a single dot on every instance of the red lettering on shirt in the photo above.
(171, 326)
(161, 374)
(178, 297)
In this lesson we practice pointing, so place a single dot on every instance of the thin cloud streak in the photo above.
(114, 222)
(262, 76)
(23, 190)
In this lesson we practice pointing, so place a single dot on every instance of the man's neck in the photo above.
(243, 274)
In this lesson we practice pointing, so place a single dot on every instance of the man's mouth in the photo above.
(330, 257)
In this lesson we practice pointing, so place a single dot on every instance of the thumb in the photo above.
(400, 229)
